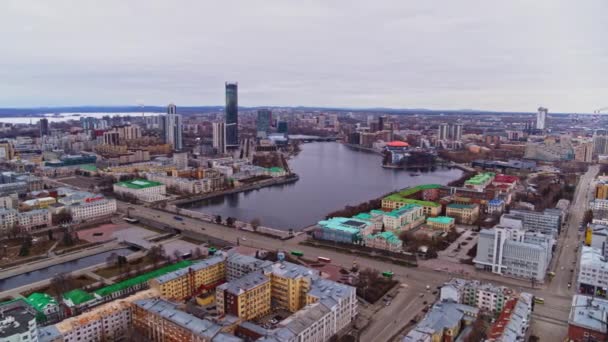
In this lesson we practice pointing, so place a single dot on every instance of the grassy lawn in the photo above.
(112, 271)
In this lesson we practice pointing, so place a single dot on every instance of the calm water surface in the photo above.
(49, 272)
(331, 176)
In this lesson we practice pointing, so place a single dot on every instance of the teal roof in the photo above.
(139, 184)
(349, 225)
(363, 216)
(40, 300)
(390, 237)
(441, 219)
(276, 169)
(104, 291)
(78, 296)
(406, 208)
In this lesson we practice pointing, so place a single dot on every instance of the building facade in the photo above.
(141, 189)
(232, 115)
(184, 283)
(92, 209)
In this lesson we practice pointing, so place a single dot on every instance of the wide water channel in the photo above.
(49, 272)
(332, 176)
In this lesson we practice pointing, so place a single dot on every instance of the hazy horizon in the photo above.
(508, 56)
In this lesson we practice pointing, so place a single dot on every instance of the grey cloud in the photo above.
(510, 55)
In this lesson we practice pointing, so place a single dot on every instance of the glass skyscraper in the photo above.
(263, 122)
(232, 115)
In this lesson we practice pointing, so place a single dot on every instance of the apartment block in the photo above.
(93, 208)
(546, 222)
(159, 320)
(463, 213)
(511, 250)
(184, 283)
(513, 322)
(404, 218)
(238, 265)
(144, 190)
(34, 219)
(483, 296)
(248, 297)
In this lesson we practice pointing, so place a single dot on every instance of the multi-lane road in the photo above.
(408, 303)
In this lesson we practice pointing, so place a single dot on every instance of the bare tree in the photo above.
(255, 224)
(177, 254)
(61, 283)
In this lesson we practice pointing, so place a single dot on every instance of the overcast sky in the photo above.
(494, 55)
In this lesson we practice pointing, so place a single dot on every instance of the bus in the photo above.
(539, 300)
(388, 274)
(297, 253)
(324, 259)
(130, 220)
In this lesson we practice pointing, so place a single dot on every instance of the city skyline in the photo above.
(455, 56)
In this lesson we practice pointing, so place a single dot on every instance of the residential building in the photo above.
(8, 219)
(496, 206)
(511, 250)
(513, 322)
(247, 297)
(599, 204)
(463, 213)
(238, 265)
(232, 115)
(479, 181)
(587, 319)
(172, 128)
(546, 222)
(39, 203)
(219, 137)
(9, 202)
(17, 322)
(484, 296)
(593, 272)
(92, 209)
(184, 185)
(107, 322)
(184, 283)
(601, 190)
(443, 131)
(443, 322)
(583, 152)
(384, 240)
(290, 285)
(159, 320)
(441, 223)
(141, 189)
(396, 201)
(180, 159)
(541, 118)
(7, 189)
(34, 219)
(403, 218)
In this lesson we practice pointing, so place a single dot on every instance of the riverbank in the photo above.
(268, 182)
(361, 148)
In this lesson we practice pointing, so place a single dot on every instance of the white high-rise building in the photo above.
(172, 128)
(541, 118)
(442, 133)
(219, 137)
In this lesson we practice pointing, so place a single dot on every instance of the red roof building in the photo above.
(397, 143)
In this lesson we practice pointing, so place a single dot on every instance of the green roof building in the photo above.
(342, 229)
(385, 240)
(77, 297)
(140, 282)
(137, 184)
(43, 303)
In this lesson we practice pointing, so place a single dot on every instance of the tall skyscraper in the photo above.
(172, 128)
(219, 137)
(541, 117)
(456, 132)
(263, 122)
(232, 115)
(44, 126)
(382, 120)
(442, 133)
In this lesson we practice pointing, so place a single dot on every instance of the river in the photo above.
(49, 272)
(331, 176)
